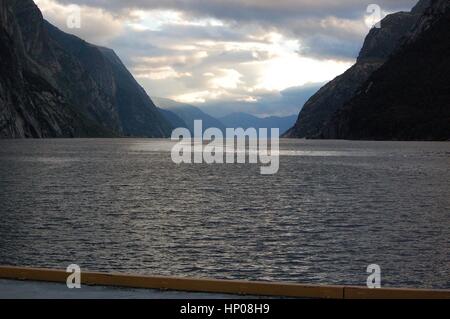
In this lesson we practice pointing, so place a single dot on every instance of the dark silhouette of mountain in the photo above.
(245, 121)
(173, 119)
(378, 46)
(58, 85)
(30, 105)
(408, 98)
(188, 113)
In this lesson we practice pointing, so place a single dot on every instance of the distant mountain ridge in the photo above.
(245, 121)
(65, 86)
(378, 47)
(188, 114)
(184, 115)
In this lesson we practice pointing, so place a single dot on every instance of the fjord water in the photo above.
(334, 208)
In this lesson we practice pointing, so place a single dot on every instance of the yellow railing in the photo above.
(269, 289)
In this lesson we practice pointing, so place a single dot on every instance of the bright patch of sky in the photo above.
(230, 51)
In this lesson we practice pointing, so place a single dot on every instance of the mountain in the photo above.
(173, 119)
(408, 98)
(183, 115)
(245, 121)
(188, 114)
(378, 46)
(30, 106)
(283, 103)
(58, 85)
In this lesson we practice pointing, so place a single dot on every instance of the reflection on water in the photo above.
(333, 209)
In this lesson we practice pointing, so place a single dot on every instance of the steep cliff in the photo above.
(408, 98)
(379, 44)
(66, 86)
(30, 106)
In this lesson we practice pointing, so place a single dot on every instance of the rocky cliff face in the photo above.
(30, 106)
(408, 98)
(58, 85)
(136, 111)
(378, 46)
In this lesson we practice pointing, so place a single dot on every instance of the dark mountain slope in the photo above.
(408, 98)
(173, 119)
(137, 113)
(30, 106)
(378, 46)
(189, 113)
(90, 81)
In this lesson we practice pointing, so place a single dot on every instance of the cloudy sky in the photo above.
(260, 56)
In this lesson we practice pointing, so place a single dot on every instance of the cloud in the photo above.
(239, 53)
(97, 25)
(267, 10)
(313, 22)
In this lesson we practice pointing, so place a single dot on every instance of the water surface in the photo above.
(333, 209)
